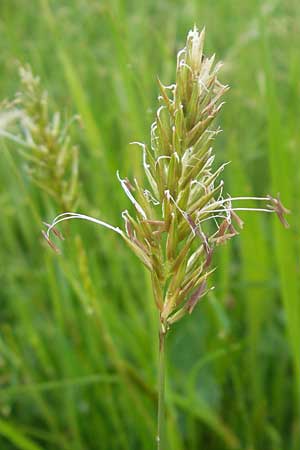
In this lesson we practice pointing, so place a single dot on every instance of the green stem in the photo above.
(161, 390)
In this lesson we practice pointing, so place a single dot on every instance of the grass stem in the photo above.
(161, 390)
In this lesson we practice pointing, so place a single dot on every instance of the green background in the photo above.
(78, 332)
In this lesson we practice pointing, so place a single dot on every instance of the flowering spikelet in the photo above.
(182, 215)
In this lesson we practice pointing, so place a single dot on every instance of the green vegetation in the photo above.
(78, 342)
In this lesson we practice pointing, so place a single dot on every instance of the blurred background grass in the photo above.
(78, 331)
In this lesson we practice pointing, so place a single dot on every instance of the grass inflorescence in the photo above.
(78, 355)
(182, 214)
